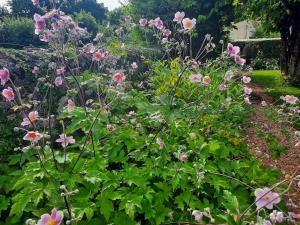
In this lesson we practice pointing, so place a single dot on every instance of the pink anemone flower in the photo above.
(188, 24)
(229, 75)
(198, 215)
(167, 32)
(97, 56)
(36, 70)
(239, 60)
(39, 23)
(247, 100)
(4, 76)
(179, 17)
(58, 81)
(71, 105)
(110, 127)
(247, 90)
(65, 140)
(158, 23)
(183, 157)
(44, 37)
(246, 80)
(266, 198)
(60, 70)
(143, 22)
(35, 2)
(134, 65)
(31, 118)
(33, 136)
(8, 94)
(206, 80)
(119, 77)
(127, 18)
(55, 218)
(160, 142)
(291, 99)
(232, 50)
(195, 78)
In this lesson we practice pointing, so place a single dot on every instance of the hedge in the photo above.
(268, 49)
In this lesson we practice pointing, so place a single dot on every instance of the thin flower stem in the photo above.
(68, 205)
(233, 178)
(86, 140)
(50, 127)
(191, 46)
(271, 189)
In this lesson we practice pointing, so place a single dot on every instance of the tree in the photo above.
(3, 12)
(96, 9)
(212, 15)
(282, 16)
(25, 8)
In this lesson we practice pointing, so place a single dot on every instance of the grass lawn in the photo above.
(273, 83)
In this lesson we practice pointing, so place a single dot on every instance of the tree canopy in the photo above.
(212, 15)
(282, 16)
(25, 8)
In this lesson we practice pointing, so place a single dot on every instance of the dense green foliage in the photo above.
(25, 8)
(88, 21)
(263, 31)
(17, 33)
(126, 145)
(270, 12)
(128, 180)
(261, 54)
(213, 16)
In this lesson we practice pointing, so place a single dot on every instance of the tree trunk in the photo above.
(290, 45)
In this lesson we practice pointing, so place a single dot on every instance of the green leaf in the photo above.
(20, 202)
(122, 219)
(231, 203)
(106, 207)
(89, 213)
(3, 203)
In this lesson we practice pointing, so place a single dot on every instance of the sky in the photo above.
(111, 4)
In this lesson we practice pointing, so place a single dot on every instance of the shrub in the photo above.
(17, 33)
(87, 20)
(261, 63)
(261, 53)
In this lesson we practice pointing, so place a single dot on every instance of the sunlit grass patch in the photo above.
(274, 83)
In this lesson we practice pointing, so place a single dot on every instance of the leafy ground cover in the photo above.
(123, 146)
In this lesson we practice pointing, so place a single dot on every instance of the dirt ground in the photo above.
(287, 162)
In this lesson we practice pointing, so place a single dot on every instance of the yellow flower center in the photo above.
(51, 222)
(32, 118)
(10, 94)
(189, 23)
(267, 198)
(32, 136)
